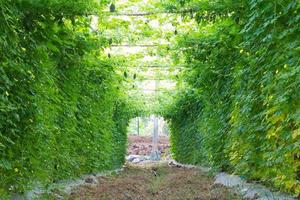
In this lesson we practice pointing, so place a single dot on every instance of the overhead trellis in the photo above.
(156, 66)
(138, 45)
(151, 13)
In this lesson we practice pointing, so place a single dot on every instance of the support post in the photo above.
(155, 153)
(138, 126)
(155, 133)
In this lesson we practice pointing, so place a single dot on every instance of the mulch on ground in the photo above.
(157, 182)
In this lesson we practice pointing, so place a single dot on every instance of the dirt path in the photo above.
(157, 181)
(142, 145)
(142, 179)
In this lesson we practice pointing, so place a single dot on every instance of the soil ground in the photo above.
(158, 181)
(153, 180)
(142, 145)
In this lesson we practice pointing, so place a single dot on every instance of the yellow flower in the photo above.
(16, 170)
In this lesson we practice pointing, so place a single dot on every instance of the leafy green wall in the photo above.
(240, 109)
(62, 111)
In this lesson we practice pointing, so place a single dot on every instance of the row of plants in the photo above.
(62, 109)
(239, 107)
